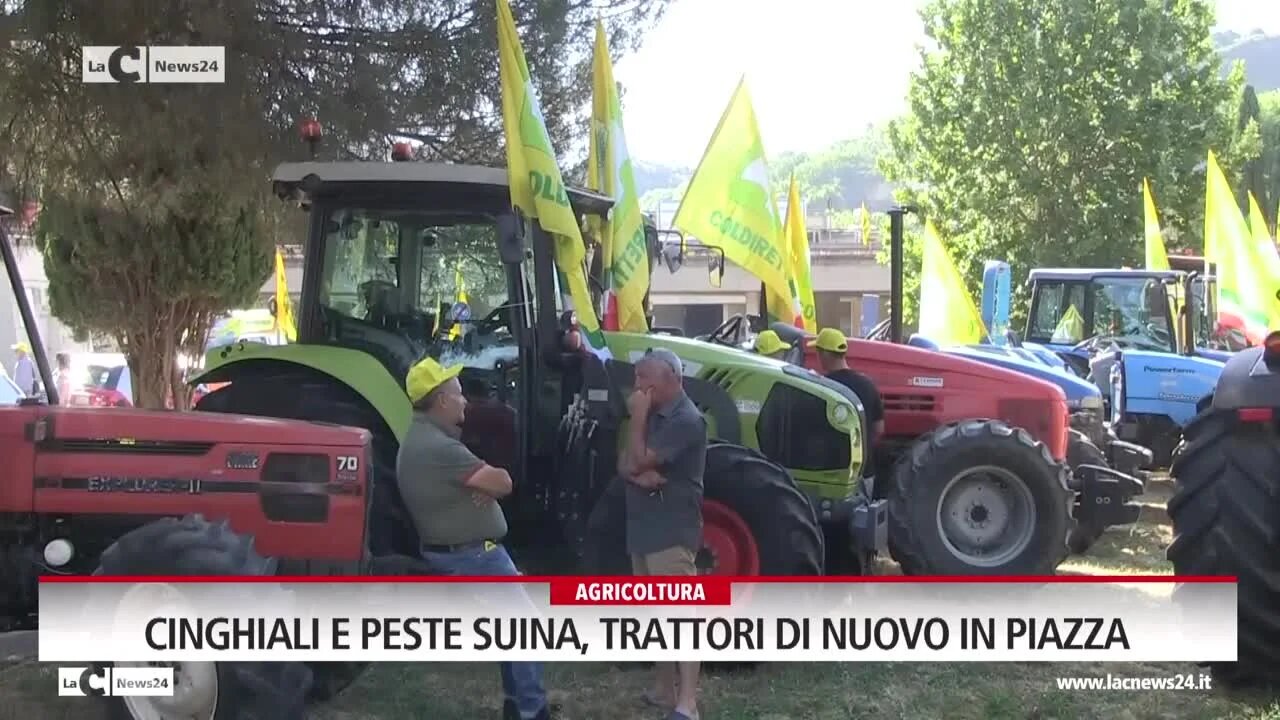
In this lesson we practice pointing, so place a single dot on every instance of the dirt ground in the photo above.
(782, 691)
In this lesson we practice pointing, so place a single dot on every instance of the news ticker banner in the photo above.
(632, 619)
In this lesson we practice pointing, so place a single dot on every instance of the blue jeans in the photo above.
(521, 681)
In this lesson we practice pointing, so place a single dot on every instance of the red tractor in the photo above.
(127, 492)
(974, 457)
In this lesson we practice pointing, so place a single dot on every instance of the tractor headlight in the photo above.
(841, 413)
(1091, 402)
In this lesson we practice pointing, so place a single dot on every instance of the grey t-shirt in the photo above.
(677, 434)
(431, 470)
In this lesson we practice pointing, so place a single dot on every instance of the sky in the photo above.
(818, 70)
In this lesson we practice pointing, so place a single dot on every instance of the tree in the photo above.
(156, 197)
(1032, 124)
(1253, 179)
(1269, 135)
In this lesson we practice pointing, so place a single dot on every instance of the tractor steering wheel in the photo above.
(728, 331)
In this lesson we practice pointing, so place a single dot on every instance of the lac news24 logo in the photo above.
(117, 681)
(153, 64)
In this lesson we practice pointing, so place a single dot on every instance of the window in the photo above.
(404, 284)
(1053, 320)
(1133, 312)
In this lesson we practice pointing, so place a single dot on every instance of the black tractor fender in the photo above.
(708, 396)
(1247, 381)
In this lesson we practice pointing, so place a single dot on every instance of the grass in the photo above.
(781, 691)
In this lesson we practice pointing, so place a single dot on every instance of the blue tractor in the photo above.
(1120, 329)
(1092, 442)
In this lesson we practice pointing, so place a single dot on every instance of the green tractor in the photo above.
(407, 259)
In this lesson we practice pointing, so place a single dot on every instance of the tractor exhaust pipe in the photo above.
(28, 319)
(896, 232)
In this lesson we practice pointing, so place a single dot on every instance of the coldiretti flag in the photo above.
(729, 203)
(1246, 294)
(866, 226)
(284, 307)
(537, 188)
(797, 239)
(1268, 259)
(1157, 257)
(622, 242)
(947, 313)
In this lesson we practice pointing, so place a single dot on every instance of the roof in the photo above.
(1091, 273)
(289, 176)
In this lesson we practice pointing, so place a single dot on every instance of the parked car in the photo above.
(100, 380)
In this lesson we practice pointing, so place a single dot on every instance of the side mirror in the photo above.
(672, 256)
(511, 238)
(715, 269)
(272, 307)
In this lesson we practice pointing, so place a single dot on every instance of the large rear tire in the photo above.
(209, 691)
(1226, 522)
(979, 498)
(755, 521)
(1082, 451)
(749, 500)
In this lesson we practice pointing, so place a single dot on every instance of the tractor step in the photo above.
(870, 527)
(1106, 495)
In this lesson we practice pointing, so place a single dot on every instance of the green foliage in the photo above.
(841, 177)
(156, 197)
(1032, 125)
(1269, 112)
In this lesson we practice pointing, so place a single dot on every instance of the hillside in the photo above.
(1260, 53)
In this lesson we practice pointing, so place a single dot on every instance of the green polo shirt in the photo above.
(432, 470)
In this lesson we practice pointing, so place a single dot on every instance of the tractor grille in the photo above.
(794, 432)
(126, 447)
(894, 402)
(726, 379)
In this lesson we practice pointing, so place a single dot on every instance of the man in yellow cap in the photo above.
(770, 345)
(452, 496)
(24, 371)
(832, 347)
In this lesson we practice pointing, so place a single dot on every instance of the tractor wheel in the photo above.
(1082, 451)
(754, 521)
(979, 498)
(1225, 523)
(205, 690)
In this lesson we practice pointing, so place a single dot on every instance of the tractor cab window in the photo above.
(402, 285)
(1056, 315)
(1132, 312)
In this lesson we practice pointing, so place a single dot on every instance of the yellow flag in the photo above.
(537, 187)
(947, 313)
(797, 238)
(284, 307)
(1157, 257)
(729, 203)
(609, 169)
(1246, 290)
(866, 226)
(1268, 265)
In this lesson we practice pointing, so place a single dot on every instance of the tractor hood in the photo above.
(1076, 389)
(143, 428)
(1166, 385)
(912, 363)
(1221, 356)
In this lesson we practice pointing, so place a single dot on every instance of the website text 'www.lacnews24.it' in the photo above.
(1181, 681)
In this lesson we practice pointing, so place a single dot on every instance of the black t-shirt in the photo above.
(866, 391)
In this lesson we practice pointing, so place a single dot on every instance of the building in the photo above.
(851, 289)
(55, 336)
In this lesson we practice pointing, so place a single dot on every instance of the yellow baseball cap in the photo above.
(768, 343)
(426, 376)
(831, 340)
(21, 347)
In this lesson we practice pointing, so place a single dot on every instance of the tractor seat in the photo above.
(489, 430)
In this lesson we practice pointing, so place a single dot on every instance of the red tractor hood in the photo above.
(205, 427)
(904, 365)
